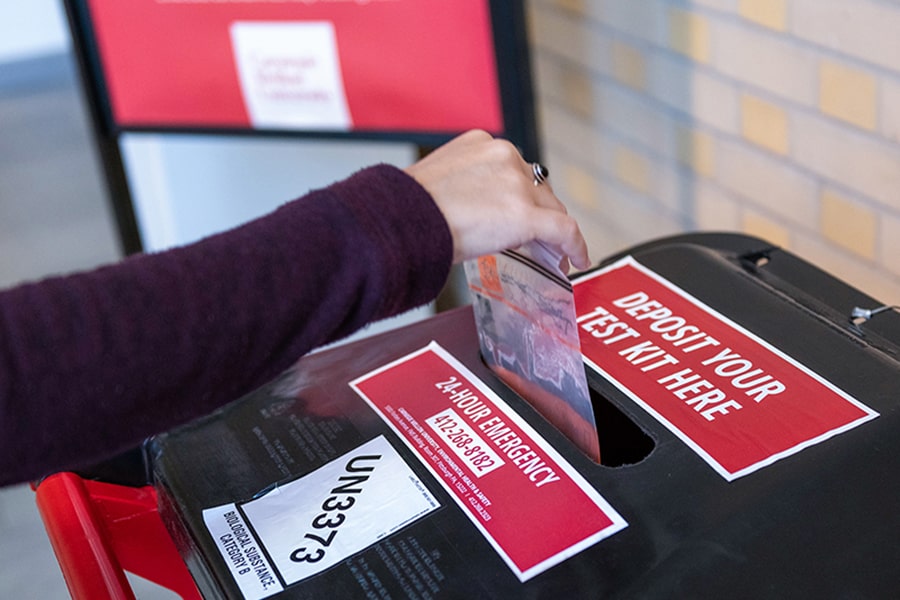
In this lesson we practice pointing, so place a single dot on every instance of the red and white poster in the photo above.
(735, 399)
(345, 65)
(532, 506)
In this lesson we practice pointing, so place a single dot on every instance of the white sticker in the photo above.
(341, 508)
(241, 550)
(290, 74)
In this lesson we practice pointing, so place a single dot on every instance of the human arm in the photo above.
(93, 363)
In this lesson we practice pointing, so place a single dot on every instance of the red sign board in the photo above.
(397, 65)
(533, 507)
(735, 399)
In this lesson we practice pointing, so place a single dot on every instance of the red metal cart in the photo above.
(100, 530)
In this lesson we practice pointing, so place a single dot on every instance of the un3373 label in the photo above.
(314, 522)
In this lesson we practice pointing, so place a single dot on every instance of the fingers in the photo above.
(546, 197)
(562, 231)
(487, 193)
(558, 228)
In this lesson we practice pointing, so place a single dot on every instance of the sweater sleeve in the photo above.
(93, 363)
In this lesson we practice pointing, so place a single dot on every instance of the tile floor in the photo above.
(53, 218)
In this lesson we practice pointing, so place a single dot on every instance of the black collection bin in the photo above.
(818, 518)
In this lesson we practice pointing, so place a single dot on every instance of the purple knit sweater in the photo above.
(91, 364)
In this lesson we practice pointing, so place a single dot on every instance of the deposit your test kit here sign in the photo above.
(735, 399)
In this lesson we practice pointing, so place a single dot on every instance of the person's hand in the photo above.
(486, 191)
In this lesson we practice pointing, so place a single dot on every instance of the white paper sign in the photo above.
(317, 521)
(290, 75)
(241, 550)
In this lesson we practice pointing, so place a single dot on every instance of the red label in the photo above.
(738, 401)
(532, 506)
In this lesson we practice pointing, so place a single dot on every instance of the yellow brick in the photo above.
(848, 225)
(714, 210)
(581, 187)
(890, 243)
(632, 169)
(689, 34)
(577, 91)
(629, 66)
(768, 13)
(573, 5)
(764, 124)
(848, 94)
(767, 229)
(696, 149)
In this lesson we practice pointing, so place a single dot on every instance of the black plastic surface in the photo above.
(823, 523)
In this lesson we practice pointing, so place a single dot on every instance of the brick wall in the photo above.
(778, 118)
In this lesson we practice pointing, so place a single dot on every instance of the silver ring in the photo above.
(541, 173)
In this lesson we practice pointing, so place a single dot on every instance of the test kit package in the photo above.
(746, 409)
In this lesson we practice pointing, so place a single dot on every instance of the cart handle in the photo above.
(98, 530)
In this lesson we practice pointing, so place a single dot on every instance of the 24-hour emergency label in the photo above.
(735, 399)
(533, 507)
